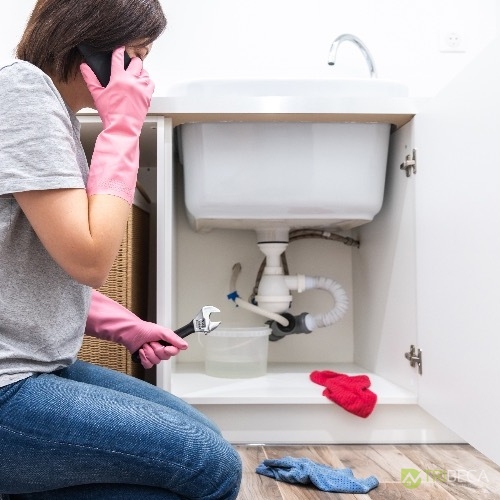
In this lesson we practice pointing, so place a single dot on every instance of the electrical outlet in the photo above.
(452, 41)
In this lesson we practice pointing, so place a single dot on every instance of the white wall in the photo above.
(12, 22)
(283, 37)
(214, 38)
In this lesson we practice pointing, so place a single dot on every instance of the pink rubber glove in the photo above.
(109, 320)
(122, 106)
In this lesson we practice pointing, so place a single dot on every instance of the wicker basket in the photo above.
(127, 283)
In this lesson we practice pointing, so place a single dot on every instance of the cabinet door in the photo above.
(458, 252)
(384, 275)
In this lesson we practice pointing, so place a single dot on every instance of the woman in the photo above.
(68, 429)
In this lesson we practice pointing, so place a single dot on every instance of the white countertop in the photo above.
(183, 109)
(187, 109)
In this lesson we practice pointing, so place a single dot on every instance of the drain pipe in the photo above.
(305, 322)
(285, 323)
(233, 295)
(274, 298)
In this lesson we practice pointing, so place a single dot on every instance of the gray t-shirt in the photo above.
(42, 309)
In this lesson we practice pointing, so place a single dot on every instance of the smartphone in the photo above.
(100, 62)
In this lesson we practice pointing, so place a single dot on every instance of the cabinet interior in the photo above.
(193, 269)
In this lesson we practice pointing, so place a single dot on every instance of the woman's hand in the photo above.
(126, 99)
(122, 106)
(109, 320)
(153, 352)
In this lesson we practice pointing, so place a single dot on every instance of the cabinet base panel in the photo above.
(284, 406)
(320, 424)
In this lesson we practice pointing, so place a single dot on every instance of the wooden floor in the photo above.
(461, 472)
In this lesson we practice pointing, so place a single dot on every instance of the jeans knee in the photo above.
(225, 474)
(234, 469)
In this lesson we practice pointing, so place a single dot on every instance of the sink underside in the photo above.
(285, 175)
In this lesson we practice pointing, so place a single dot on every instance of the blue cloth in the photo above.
(86, 432)
(324, 477)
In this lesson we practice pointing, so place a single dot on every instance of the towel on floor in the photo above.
(351, 392)
(324, 477)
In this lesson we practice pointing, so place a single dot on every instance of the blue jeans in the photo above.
(86, 432)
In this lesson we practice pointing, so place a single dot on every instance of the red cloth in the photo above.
(351, 392)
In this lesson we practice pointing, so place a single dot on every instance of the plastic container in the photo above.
(236, 352)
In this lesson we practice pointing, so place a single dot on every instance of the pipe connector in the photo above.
(296, 324)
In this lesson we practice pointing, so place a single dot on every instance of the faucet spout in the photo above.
(346, 37)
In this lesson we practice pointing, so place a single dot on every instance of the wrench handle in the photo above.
(182, 332)
(185, 330)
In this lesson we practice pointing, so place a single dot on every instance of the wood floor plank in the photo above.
(385, 462)
(466, 475)
(471, 450)
(397, 491)
(297, 492)
(318, 453)
(255, 486)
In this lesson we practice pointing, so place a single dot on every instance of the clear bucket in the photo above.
(236, 352)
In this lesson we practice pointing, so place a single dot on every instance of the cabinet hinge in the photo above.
(410, 163)
(414, 356)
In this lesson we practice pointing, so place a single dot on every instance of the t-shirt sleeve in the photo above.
(37, 145)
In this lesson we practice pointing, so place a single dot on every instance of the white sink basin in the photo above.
(285, 174)
(324, 88)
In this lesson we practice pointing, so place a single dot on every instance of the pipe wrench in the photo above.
(201, 323)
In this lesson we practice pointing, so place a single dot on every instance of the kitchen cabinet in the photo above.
(426, 275)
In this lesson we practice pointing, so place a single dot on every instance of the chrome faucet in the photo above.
(346, 37)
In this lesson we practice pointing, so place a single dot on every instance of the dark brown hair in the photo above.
(56, 27)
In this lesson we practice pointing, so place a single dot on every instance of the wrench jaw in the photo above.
(213, 326)
(202, 323)
(206, 311)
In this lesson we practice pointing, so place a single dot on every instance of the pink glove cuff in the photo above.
(107, 176)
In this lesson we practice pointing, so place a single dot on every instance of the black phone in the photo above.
(100, 62)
